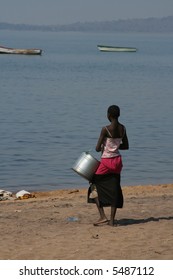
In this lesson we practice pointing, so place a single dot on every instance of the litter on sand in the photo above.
(24, 195)
(4, 195)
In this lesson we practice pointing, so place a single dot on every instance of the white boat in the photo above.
(5, 50)
(115, 49)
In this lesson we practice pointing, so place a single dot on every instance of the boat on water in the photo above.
(103, 48)
(5, 50)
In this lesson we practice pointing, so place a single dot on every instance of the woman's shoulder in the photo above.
(121, 126)
(121, 129)
(104, 131)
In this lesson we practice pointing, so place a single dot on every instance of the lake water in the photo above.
(52, 107)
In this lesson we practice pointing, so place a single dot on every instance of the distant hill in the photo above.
(164, 24)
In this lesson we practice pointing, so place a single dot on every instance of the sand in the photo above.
(40, 229)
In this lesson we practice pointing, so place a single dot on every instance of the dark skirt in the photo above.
(108, 189)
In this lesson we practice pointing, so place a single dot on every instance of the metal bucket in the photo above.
(86, 165)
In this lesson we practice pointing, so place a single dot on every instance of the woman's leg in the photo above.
(112, 217)
(103, 217)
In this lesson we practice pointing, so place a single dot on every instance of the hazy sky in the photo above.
(70, 11)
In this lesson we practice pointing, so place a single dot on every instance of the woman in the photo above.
(105, 189)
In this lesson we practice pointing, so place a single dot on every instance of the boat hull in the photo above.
(115, 49)
(4, 50)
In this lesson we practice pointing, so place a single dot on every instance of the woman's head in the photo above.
(113, 112)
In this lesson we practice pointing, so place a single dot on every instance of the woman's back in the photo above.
(115, 130)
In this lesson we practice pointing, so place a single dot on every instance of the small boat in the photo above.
(5, 50)
(115, 49)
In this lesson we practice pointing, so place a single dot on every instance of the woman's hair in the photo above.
(114, 111)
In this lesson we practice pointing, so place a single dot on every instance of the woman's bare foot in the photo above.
(112, 223)
(101, 222)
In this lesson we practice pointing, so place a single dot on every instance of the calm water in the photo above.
(53, 107)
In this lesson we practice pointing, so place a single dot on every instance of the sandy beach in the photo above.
(41, 228)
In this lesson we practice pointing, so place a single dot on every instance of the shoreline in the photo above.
(41, 227)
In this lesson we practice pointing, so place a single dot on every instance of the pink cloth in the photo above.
(110, 147)
(110, 165)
